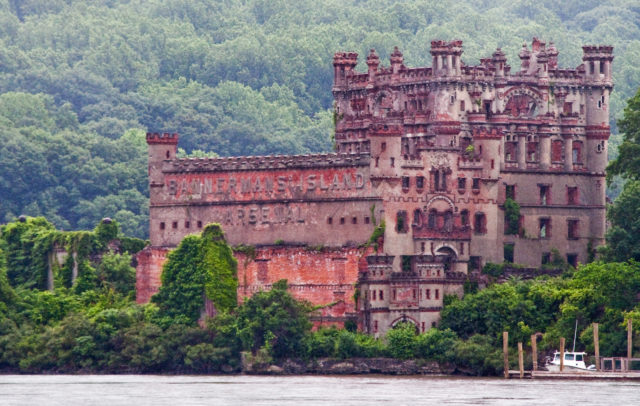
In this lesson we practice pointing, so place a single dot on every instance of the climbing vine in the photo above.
(201, 266)
(31, 245)
(512, 216)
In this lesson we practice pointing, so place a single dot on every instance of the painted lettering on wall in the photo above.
(259, 215)
(267, 186)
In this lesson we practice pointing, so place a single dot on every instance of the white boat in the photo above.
(572, 361)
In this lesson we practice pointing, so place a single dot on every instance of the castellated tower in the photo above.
(437, 154)
(450, 144)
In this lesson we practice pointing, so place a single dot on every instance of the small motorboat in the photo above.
(572, 361)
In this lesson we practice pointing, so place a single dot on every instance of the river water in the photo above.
(139, 390)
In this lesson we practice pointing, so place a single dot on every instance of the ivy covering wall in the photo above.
(37, 256)
(200, 267)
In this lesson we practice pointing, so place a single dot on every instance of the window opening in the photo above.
(401, 221)
(508, 252)
(572, 229)
(545, 228)
(545, 194)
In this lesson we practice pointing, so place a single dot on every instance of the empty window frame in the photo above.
(544, 192)
(401, 221)
(406, 182)
(464, 218)
(572, 195)
(508, 252)
(480, 223)
(576, 151)
(545, 227)
(573, 229)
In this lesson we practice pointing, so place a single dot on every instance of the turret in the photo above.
(597, 61)
(552, 53)
(542, 60)
(373, 61)
(161, 147)
(343, 63)
(396, 60)
(525, 58)
(446, 58)
(499, 61)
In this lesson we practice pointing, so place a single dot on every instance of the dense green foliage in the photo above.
(623, 238)
(274, 320)
(605, 293)
(627, 164)
(30, 253)
(99, 328)
(201, 266)
(81, 81)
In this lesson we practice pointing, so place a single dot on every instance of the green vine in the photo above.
(249, 252)
(31, 243)
(201, 266)
(512, 216)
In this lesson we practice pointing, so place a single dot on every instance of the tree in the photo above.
(274, 320)
(627, 164)
(623, 238)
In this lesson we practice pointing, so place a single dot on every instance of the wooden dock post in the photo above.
(561, 354)
(629, 342)
(520, 360)
(596, 344)
(534, 351)
(505, 352)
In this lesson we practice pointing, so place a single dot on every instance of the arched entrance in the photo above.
(447, 256)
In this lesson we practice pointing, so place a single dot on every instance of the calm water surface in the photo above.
(155, 390)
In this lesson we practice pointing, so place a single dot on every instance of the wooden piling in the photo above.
(596, 345)
(629, 342)
(520, 360)
(561, 354)
(505, 352)
(534, 352)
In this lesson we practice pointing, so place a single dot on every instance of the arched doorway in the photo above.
(447, 256)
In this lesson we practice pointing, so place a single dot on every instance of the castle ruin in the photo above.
(438, 154)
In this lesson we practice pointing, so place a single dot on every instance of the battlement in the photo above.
(253, 163)
(597, 52)
(162, 138)
(446, 47)
(540, 61)
(345, 58)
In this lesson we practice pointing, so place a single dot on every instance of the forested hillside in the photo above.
(82, 80)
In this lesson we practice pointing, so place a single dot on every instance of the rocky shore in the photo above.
(352, 366)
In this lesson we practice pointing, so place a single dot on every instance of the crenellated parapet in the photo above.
(162, 138)
(270, 162)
